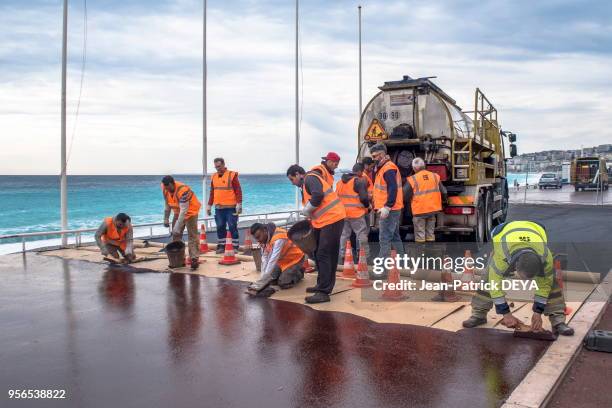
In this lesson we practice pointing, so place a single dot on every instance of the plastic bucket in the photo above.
(256, 254)
(302, 235)
(176, 254)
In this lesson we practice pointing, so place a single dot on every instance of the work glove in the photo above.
(384, 212)
(209, 210)
(510, 321)
(308, 210)
(238, 208)
(167, 223)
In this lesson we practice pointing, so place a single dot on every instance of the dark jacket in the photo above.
(360, 187)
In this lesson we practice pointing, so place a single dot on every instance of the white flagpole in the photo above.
(297, 97)
(63, 177)
(204, 124)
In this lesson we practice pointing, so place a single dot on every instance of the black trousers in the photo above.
(326, 255)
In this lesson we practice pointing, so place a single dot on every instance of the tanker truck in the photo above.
(414, 117)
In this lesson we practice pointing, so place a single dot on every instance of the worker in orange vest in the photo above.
(353, 192)
(326, 213)
(326, 169)
(226, 196)
(115, 237)
(388, 201)
(281, 260)
(184, 204)
(368, 170)
(425, 193)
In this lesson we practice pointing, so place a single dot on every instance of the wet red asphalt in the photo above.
(111, 337)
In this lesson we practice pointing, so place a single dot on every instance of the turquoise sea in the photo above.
(32, 203)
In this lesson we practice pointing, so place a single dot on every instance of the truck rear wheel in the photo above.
(488, 218)
(478, 236)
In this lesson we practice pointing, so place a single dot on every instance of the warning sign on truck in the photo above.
(376, 131)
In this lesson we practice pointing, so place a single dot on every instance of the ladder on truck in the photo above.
(461, 159)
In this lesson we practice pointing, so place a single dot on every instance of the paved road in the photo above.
(113, 338)
(583, 232)
(566, 195)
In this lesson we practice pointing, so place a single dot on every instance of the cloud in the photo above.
(545, 66)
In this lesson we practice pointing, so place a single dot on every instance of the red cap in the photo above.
(331, 156)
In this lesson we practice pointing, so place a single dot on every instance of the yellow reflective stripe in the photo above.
(380, 187)
(354, 205)
(433, 190)
(320, 211)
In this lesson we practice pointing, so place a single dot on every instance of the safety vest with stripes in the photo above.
(172, 199)
(368, 180)
(350, 199)
(509, 240)
(380, 187)
(113, 234)
(426, 197)
(224, 195)
(330, 210)
(327, 176)
(290, 253)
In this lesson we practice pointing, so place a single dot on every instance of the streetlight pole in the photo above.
(63, 176)
(204, 124)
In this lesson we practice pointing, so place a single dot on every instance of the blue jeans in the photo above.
(227, 220)
(388, 234)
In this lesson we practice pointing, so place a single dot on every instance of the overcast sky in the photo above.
(545, 64)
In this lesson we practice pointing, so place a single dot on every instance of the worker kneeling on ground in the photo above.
(115, 237)
(281, 260)
(326, 213)
(521, 246)
(182, 201)
(353, 192)
(425, 194)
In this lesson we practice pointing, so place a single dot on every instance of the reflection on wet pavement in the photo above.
(114, 338)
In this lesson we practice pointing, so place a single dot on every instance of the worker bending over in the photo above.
(388, 201)
(184, 204)
(521, 246)
(226, 196)
(115, 236)
(326, 213)
(353, 193)
(281, 260)
(328, 166)
(425, 194)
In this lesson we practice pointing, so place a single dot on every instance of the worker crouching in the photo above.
(326, 213)
(281, 260)
(521, 246)
(184, 204)
(115, 237)
(425, 194)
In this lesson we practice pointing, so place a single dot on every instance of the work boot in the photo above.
(474, 322)
(220, 249)
(563, 329)
(195, 263)
(318, 297)
(311, 289)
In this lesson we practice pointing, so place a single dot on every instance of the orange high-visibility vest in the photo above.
(368, 180)
(172, 199)
(350, 199)
(380, 187)
(224, 196)
(327, 176)
(330, 210)
(112, 234)
(290, 253)
(426, 197)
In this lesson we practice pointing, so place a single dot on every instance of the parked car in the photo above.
(549, 180)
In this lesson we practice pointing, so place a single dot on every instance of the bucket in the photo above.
(303, 237)
(176, 254)
(256, 254)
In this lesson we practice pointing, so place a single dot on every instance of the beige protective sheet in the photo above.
(362, 302)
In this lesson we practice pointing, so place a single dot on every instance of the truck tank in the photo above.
(414, 117)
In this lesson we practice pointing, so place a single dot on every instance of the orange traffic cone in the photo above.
(348, 270)
(394, 277)
(229, 257)
(468, 274)
(248, 243)
(362, 280)
(306, 265)
(203, 242)
(559, 276)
